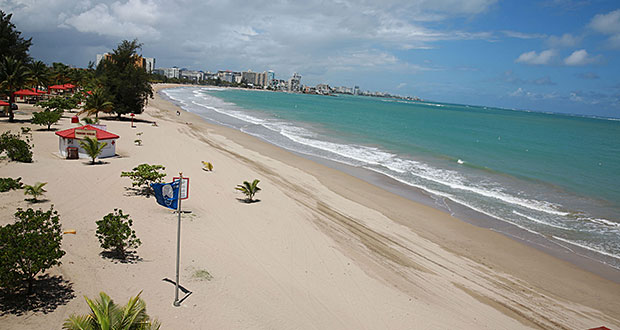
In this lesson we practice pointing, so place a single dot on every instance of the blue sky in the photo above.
(548, 55)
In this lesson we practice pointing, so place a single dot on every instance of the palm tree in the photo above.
(92, 147)
(104, 314)
(35, 190)
(97, 102)
(14, 75)
(249, 189)
(60, 73)
(39, 74)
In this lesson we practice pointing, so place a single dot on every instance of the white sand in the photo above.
(321, 250)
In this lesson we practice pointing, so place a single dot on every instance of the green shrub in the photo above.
(114, 233)
(29, 246)
(7, 184)
(46, 117)
(16, 149)
(144, 174)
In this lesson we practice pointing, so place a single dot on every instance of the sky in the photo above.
(547, 55)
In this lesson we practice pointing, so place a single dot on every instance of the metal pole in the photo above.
(176, 293)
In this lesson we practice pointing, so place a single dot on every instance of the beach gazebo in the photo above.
(70, 139)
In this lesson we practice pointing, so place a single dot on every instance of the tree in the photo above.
(59, 103)
(12, 44)
(14, 75)
(114, 232)
(46, 117)
(105, 314)
(35, 190)
(92, 147)
(30, 245)
(60, 73)
(97, 102)
(249, 189)
(16, 148)
(144, 174)
(126, 83)
(39, 74)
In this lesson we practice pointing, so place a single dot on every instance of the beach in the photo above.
(320, 250)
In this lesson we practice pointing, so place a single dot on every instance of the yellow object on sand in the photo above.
(70, 231)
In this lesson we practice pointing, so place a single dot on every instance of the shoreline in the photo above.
(575, 255)
(321, 250)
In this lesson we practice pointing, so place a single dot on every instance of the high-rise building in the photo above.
(249, 77)
(294, 83)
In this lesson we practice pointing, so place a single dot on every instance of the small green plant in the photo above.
(114, 233)
(202, 274)
(90, 121)
(143, 175)
(7, 184)
(16, 149)
(92, 147)
(105, 314)
(29, 246)
(35, 191)
(249, 189)
(47, 117)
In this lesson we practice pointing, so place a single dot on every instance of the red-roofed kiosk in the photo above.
(70, 138)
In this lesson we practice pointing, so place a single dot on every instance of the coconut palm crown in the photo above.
(92, 147)
(249, 189)
(105, 314)
(14, 75)
(97, 102)
(35, 190)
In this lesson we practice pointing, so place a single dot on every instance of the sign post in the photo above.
(183, 194)
(176, 292)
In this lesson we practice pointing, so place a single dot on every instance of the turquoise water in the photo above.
(553, 175)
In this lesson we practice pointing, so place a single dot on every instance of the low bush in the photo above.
(29, 246)
(16, 149)
(114, 233)
(7, 184)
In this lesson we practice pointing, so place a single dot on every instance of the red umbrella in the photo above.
(56, 87)
(69, 86)
(26, 92)
(2, 104)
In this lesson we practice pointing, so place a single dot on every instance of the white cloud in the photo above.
(521, 35)
(536, 59)
(133, 19)
(580, 57)
(566, 40)
(608, 24)
(306, 36)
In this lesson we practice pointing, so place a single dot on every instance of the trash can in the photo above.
(72, 153)
(75, 119)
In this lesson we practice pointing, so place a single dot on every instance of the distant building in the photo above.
(149, 64)
(169, 72)
(323, 89)
(356, 90)
(294, 83)
(226, 75)
(195, 76)
(249, 77)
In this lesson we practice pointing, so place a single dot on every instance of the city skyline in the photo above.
(551, 55)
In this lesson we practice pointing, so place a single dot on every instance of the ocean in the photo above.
(551, 175)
